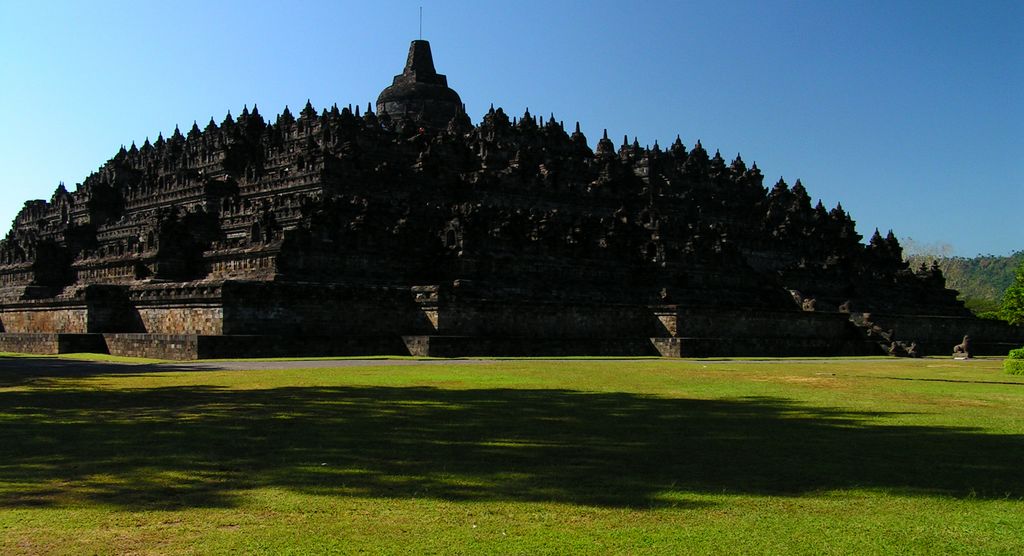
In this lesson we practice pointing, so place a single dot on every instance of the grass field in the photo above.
(513, 457)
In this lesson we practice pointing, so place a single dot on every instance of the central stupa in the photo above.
(419, 94)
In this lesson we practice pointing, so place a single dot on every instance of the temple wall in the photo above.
(21, 275)
(716, 333)
(762, 347)
(762, 324)
(511, 346)
(51, 344)
(45, 319)
(546, 320)
(248, 264)
(936, 335)
(320, 310)
(195, 346)
(175, 309)
(182, 319)
(153, 346)
(105, 272)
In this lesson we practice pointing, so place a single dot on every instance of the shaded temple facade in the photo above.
(408, 229)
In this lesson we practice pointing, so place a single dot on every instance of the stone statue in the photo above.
(963, 349)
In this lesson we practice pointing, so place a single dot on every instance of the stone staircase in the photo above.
(886, 340)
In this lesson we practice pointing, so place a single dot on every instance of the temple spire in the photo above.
(420, 61)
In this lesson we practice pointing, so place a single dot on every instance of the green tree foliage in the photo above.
(1012, 310)
(1014, 362)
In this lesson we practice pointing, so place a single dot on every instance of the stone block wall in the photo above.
(182, 319)
(43, 318)
(936, 335)
(509, 346)
(761, 347)
(320, 310)
(176, 308)
(51, 344)
(545, 320)
(90, 309)
(153, 346)
(715, 333)
(264, 319)
(194, 346)
(212, 347)
(757, 324)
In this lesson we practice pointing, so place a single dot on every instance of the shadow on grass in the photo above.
(21, 371)
(947, 380)
(181, 447)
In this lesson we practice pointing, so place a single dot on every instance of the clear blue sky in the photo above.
(909, 113)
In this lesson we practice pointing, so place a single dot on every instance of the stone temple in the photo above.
(407, 229)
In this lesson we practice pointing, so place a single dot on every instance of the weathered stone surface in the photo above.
(513, 346)
(412, 222)
(198, 346)
(51, 344)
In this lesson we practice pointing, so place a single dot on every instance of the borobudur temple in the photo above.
(407, 229)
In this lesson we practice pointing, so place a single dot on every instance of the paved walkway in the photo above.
(47, 365)
(325, 363)
(314, 364)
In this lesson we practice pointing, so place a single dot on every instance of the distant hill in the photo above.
(980, 280)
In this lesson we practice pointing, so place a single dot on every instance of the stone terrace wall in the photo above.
(546, 320)
(193, 346)
(711, 333)
(290, 309)
(508, 346)
(761, 324)
(762, 347)
(182, 319)
(52, 344)
(937, 335)
(177, 308)
(153, 346)
(44, 318)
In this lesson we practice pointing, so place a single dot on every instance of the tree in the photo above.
(1013, 300)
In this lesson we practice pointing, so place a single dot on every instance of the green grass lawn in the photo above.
(514, 457)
